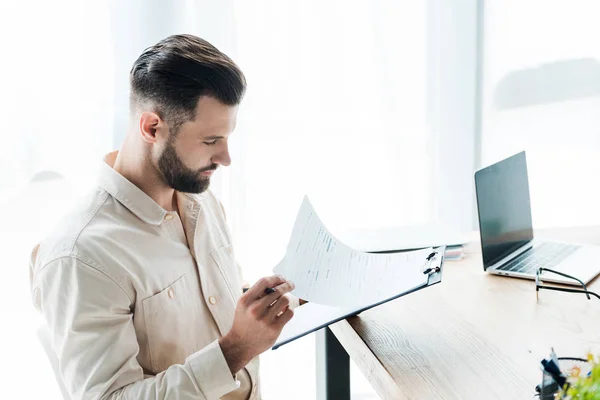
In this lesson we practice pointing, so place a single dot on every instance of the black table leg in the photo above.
(333, 368)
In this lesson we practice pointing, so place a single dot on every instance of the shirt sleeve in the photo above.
(93, 336)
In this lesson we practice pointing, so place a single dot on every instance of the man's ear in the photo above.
(150, 126)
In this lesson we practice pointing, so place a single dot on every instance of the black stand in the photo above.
(333, 368)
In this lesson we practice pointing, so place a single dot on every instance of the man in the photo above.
(139, 285)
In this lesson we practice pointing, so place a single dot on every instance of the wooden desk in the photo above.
(474, 335)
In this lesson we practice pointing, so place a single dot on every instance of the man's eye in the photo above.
(211, 143)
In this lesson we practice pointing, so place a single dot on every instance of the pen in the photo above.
(268, 290)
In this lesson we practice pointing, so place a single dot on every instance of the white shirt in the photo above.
(136, 297)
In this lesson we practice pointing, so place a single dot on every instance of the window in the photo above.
(541, 93)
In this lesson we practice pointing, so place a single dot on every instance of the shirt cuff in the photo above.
(212, 372)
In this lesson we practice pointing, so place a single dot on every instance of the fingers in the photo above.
(284, 318)
(258, 289)
(278, 307)
(279, 291)
(272, 307)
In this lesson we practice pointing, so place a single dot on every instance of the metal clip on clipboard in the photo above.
(433, 265)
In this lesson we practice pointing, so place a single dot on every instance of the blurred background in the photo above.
(380, 111)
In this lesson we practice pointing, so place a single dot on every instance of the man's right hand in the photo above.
(258, 321)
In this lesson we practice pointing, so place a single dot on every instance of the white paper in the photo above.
(325, 271)
(402, 237)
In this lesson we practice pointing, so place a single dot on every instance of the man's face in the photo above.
(189, 159)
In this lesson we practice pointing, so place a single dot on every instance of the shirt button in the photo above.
(171, 293)
(168, 217)
(212, 300)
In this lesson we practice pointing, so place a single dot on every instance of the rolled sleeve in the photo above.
(212, 372)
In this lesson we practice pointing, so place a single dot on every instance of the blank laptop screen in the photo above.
(504, 208)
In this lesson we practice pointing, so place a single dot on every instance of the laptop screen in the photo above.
(504, 208)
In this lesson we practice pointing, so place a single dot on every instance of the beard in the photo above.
(180, 177)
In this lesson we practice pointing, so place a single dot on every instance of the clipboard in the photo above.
(311, 317)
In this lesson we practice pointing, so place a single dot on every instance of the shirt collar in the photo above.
(128, 194)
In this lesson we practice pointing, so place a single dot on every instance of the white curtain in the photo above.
(335, 109)
(56, 79)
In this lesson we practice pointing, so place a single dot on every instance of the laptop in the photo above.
(507, 243)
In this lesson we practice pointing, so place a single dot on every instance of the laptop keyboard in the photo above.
(545, 255)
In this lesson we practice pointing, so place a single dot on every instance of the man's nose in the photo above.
(223, 158)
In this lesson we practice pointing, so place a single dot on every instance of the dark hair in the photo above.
(172, 75)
